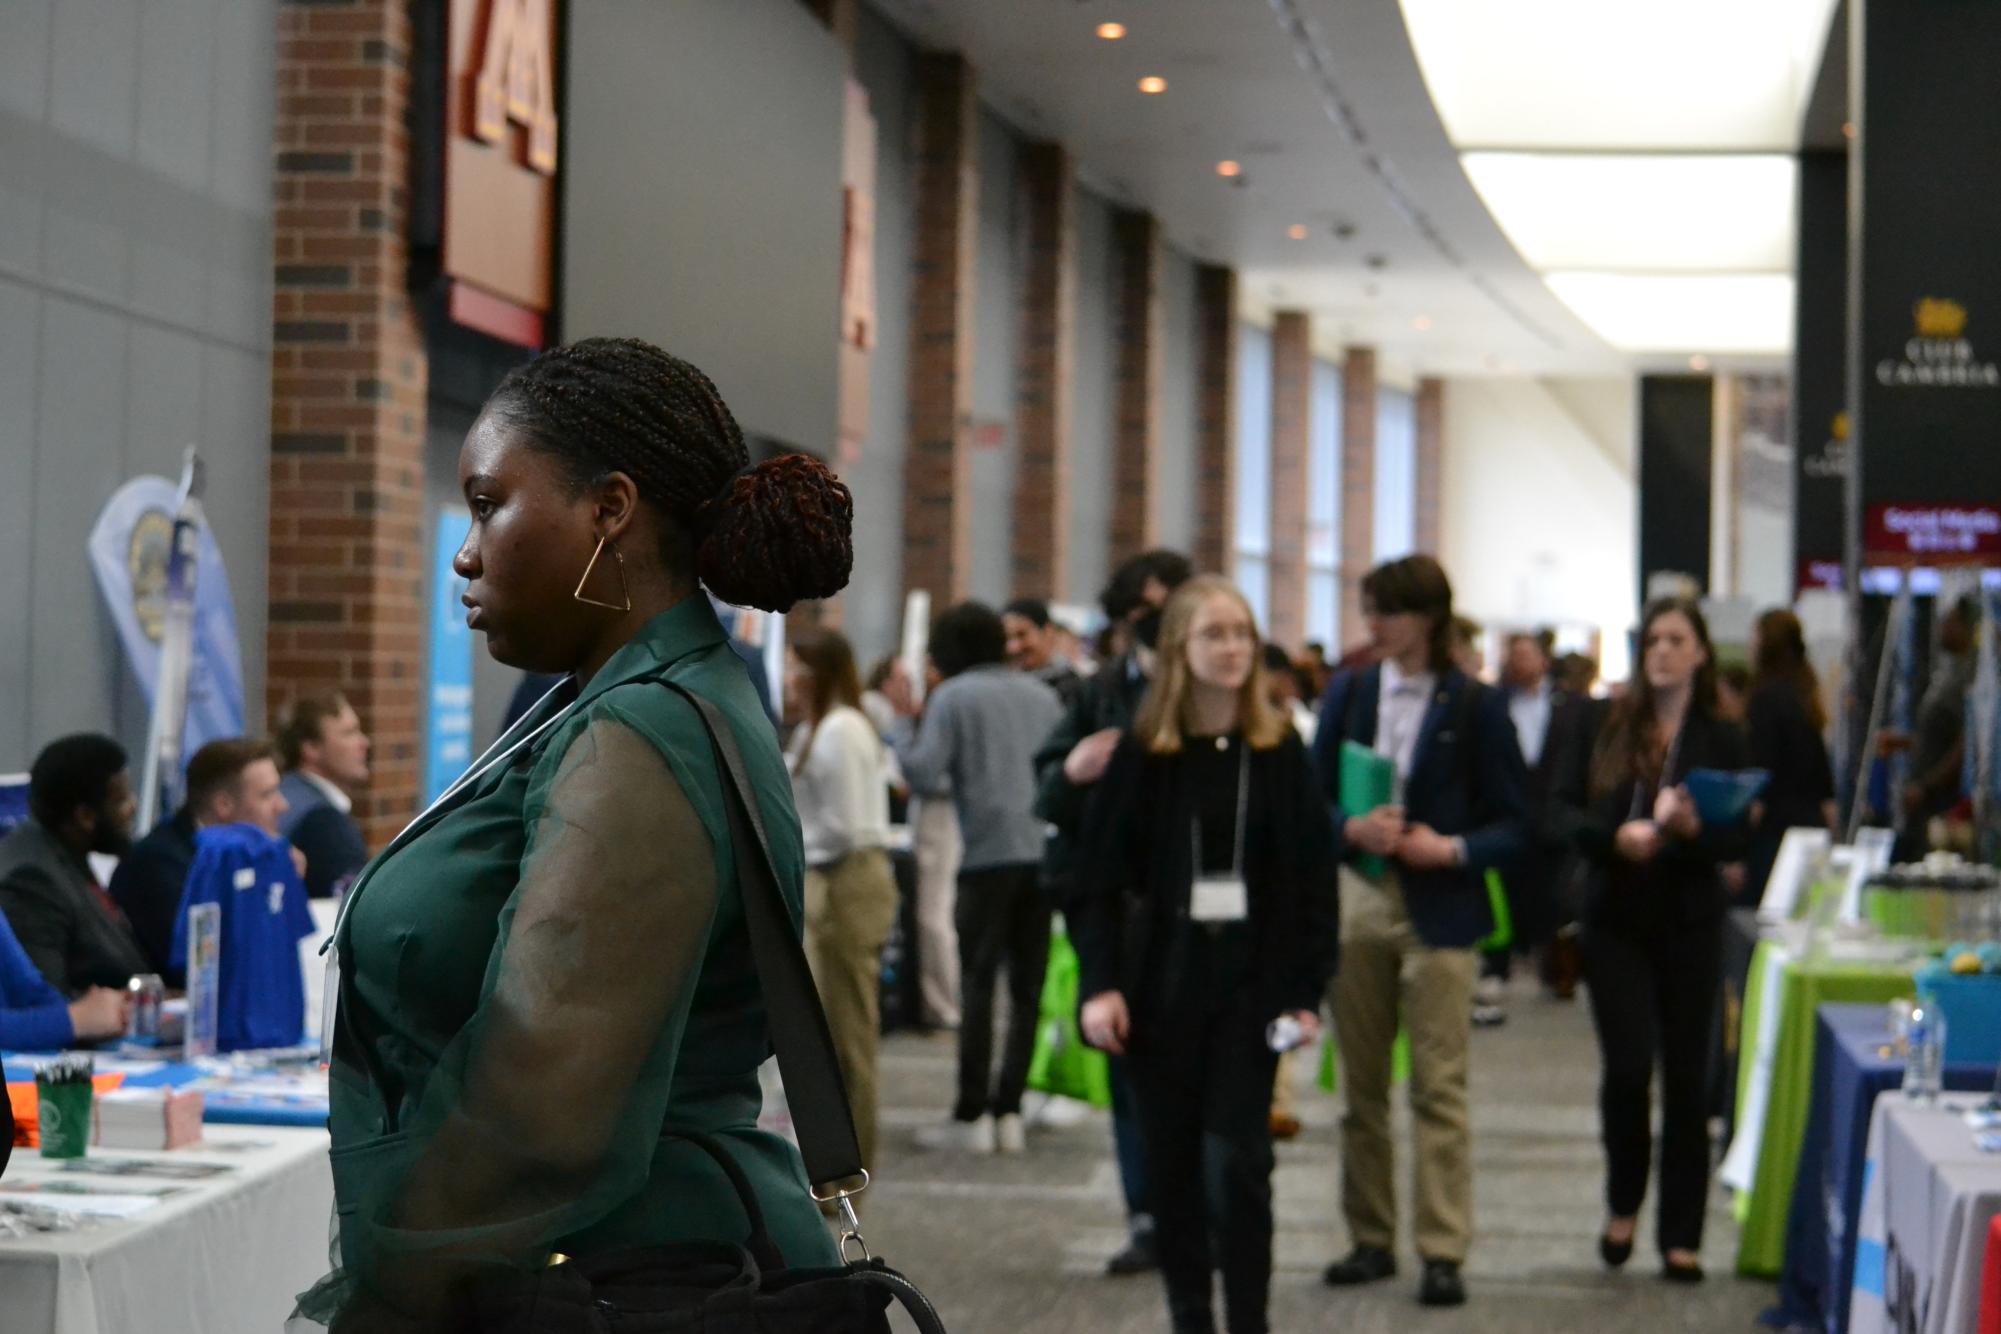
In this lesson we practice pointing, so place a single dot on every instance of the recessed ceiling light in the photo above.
(1421, 323)
(1153, 83)
(1229, 168)
(1698, 363)
(1297, 231)
(1111, 32)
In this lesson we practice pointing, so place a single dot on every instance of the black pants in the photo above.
(1003, 917)
(1654, 994)
(1202, 1083)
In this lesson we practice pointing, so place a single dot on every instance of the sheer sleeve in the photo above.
(544, 1113)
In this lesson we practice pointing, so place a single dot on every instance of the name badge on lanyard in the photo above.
(1222, 896)
(1219, 898)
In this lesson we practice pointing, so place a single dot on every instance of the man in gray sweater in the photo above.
(976, 737)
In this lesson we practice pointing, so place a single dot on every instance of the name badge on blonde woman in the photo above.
(1219, 898)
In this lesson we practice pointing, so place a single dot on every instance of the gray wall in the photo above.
(997, 283)
(1092, 403)
(135, 319)
(872, 607)
(1176, 501)
(702, 197)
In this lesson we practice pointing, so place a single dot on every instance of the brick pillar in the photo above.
(1358, 486)
(937, 528)
(1291, 409)
(1215, 418)
(1430, 458)
(1137, 258)
(1043, 393)
(348, 386)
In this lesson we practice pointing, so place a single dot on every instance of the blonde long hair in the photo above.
(1162, 722)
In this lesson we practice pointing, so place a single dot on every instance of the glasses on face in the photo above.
(1222, 636)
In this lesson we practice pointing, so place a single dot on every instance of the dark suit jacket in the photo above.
(1682, 886)
(1467, 780)
(45, 891)
(148, 885)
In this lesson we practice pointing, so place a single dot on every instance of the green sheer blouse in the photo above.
(543, 978)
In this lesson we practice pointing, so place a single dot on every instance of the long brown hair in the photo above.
(1416, 585)
(830, 660)
(1162, 722)
(1629, 746)
(1782, 657)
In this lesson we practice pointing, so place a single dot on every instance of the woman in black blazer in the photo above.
(1209, 912)
(1786, 721)
(1653, 939)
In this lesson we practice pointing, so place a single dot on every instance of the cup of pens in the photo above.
(63, 1099)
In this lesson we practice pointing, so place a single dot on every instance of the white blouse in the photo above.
(842, 788)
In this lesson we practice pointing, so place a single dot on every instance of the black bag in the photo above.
(716, 1287)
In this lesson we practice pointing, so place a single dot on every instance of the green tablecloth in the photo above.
(1802, 989)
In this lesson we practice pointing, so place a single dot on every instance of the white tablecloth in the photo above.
(1928, 1198)
(226, 1256)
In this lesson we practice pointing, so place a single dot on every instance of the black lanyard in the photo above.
(1243, 816)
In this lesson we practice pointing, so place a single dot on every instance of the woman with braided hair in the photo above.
(548, 973)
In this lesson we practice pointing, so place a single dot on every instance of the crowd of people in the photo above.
(1241, 841)
(1242, 844)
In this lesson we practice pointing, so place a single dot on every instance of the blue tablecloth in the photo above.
(219, 1106)
(1850, 1067)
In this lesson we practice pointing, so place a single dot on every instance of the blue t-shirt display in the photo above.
(261, 1000)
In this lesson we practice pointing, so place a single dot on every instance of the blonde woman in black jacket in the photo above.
(1207, 911)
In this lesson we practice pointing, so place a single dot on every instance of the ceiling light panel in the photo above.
(1612, 74)
(1727, 313)
(1663, 212)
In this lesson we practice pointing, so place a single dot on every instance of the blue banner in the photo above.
(448, 722)
(129, 553)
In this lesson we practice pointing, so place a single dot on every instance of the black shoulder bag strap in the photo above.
(821, 1115)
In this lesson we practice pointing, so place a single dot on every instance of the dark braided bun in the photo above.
(779, 533)
(765, 537)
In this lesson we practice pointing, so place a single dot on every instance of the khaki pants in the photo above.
(1387, 970)
(849, 908)
(938, 848)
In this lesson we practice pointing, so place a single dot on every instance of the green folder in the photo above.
(1367, 781)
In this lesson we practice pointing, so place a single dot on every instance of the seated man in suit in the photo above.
(229, 782)
(80, 802)
(325, 753)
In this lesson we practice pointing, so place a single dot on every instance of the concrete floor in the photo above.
(1019, 1243)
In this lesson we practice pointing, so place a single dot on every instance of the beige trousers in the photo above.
(937, 848)
(850, 906)
(1388, 974)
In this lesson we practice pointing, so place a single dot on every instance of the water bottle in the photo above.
(1925, 1070)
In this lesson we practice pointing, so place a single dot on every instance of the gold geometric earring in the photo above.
(624, 592)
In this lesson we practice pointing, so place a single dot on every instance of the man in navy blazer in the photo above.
(1414, 904)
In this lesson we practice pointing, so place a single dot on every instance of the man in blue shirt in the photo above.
(233, 781)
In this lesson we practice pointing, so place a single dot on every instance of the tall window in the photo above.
(1253, 554)
(1323, 508)
(1396, 474)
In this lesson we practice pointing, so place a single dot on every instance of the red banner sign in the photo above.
(1933, 534)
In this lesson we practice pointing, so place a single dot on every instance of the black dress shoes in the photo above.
(1614, 1253)
(1364, 1264)
(1442, 1285)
